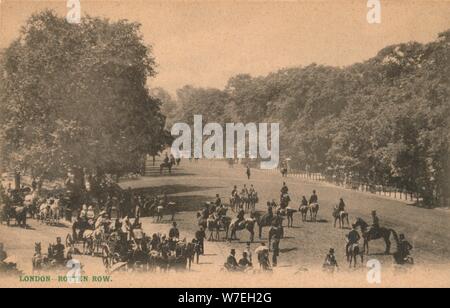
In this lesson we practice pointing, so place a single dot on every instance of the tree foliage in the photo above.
(75, 96)
(383, 121)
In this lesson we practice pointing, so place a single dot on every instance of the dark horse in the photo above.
(18, 213)
(372, 234)
(248, 225)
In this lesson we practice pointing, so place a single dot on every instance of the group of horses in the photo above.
(244, 201)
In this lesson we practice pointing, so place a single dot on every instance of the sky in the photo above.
(204, 43)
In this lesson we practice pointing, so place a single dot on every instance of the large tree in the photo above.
(74, 97)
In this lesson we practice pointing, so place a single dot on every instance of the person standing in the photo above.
(276, 250)
(248, 172)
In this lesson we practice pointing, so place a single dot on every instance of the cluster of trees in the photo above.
(384, 121)
(74, 99)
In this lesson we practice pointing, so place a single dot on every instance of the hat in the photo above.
(233, 250)
(331, 250)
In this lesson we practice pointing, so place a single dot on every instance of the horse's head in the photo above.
(361, 223)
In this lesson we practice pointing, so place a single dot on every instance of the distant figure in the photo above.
(248, 172)
(314, 198)
(402, 255)
(330, 263)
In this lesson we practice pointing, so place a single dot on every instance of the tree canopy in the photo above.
(383, 121)
(75, 96)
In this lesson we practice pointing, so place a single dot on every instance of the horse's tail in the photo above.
(396, 238)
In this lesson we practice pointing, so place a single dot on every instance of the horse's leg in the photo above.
(260, 231)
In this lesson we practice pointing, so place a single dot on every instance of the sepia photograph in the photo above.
(215, 145)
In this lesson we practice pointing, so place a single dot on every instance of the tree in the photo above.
(74, 97)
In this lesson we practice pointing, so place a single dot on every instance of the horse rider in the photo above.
(245, 262)
(218, 201)
(252, 190)
(375, 222)
(284, 189)
(59, 251)
(232, 264)
(234, 192)
(221, 211)
(270, 209)
(245, 189)
(240, 217)
(404, 249)
(353, 238)
(314, 199)
(304, 202)
(174, 233)
(330, 262)
(341, 206)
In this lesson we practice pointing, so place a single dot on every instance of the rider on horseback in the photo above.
(284, 189)
(218, 201)
(341, 206)
(59, 252)
(240, 217)
(352, 239)
(314, 198)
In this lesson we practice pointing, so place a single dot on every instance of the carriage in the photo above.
(92, 239)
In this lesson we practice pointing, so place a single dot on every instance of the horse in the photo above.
(375, 234)
(167, 165)
(252, 200)
(342, 216)
(304, 212)
(159, 211)
(289, 214)
(18, 213)
(218, 224)
(235, 203)
(284, 201)
(248, 225)
(352, 254)
(262, 221)
(313, 210)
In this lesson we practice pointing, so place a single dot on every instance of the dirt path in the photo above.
(303, 248)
